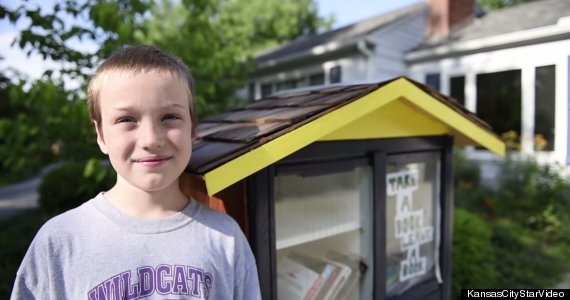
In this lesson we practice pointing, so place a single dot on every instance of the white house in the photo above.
(510, 66)
(370, 50)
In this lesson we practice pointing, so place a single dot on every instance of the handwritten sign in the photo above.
(409, 223)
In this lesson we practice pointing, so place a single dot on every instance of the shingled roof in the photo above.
(530, 15)
(225, 136)
(228, 136)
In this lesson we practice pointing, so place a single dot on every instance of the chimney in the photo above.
(445, 14)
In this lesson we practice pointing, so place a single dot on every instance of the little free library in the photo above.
(344, 192)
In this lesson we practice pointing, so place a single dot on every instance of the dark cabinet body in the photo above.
(377, 212)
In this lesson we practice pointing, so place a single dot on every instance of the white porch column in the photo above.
(256, 90)
(527, 109)
(444, 82)
(471, 91)
(562, 111)
(327, 69)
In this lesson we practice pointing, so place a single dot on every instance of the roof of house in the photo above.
(235, 144)
(341, 35)
(533, 14)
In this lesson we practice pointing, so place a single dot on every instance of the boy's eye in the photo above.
(171, 117)
(126, 120)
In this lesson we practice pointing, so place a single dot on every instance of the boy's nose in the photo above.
(152, 136)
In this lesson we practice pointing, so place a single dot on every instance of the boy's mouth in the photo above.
(152, 160)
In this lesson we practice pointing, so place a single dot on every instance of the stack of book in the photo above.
(306, 277)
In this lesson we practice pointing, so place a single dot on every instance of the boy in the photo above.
(144, 238)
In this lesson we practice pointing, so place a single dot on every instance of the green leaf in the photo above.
(90, 168)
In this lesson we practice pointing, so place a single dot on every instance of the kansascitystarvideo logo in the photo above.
(515, 293)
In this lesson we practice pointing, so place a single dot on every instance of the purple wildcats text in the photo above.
(162, 280)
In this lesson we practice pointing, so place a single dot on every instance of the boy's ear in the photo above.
(100, 138)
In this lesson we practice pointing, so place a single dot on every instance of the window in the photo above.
(457, 88)
(544, 99)
(335, 74)
(251, 90)
(293, 83)
(317, 79)
(286, 85)
(499, 101)
(433, 80)
(300, 82)
(266, 89)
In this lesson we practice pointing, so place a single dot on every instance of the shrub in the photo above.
(469, 193)
(535, 196)
(465, 170)
(41, 123)
(523, 261)
(473, 253)
(73, 183)
(527, 218)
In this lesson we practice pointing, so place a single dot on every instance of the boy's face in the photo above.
(145, 128)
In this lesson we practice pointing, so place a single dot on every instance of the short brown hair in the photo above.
(136, 59)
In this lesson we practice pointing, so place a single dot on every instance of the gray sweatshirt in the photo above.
(96, 252)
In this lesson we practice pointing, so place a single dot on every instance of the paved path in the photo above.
(19, 197)
(565, 284)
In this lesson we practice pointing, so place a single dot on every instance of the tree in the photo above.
(51, 33)
(217, 38)
(40, 124)
(41, 121)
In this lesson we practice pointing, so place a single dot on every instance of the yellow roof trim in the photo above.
(324, 127)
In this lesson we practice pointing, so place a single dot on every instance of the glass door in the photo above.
(412, 221)
(323, 226)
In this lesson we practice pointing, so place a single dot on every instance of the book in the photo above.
(320, 267)
(295, 281)
(314, 289)
(343, 277)
(333, 275)
(357, 267)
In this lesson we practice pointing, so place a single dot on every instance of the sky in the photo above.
(350, 11)
(345, 12)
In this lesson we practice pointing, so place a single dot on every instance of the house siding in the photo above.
(394, 42)
(354, 68)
